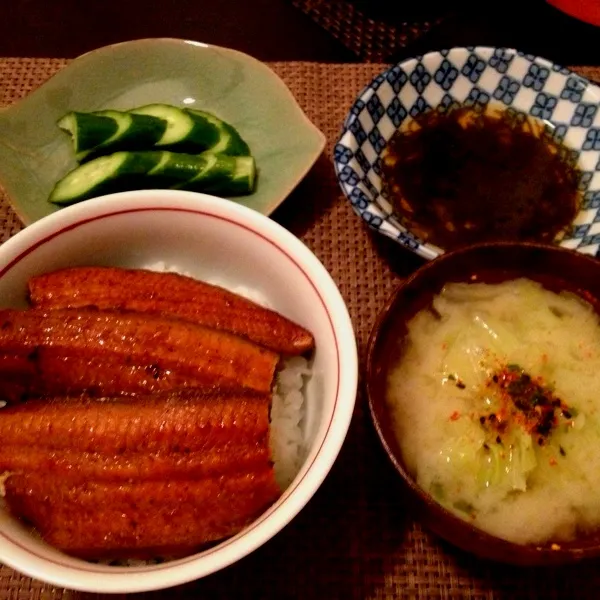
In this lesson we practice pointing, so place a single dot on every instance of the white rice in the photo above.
(286, 420)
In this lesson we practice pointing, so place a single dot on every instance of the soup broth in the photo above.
(495, 406)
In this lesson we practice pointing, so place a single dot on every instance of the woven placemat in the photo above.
(354, 539)
(372, 38)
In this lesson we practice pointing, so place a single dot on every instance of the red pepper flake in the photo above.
(455, 416)
(527, 402)
(553, 462)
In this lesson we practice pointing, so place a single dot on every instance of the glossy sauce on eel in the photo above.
(138, 476)
(138, 420)
(173, 295)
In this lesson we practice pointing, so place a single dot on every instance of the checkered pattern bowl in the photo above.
(565, 101)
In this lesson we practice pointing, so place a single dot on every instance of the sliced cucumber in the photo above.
(87, 130)
(106, 131)
(104, 175)
(214, 169)
(224, 176)
(242, 180)
(186, 132)
(174, 168)
(228, 140)
(151, 127)
(121, 171)
(136, 132)
(180, 128)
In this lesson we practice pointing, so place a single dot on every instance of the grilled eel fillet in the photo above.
(138, 477)
(141, 519)
(188, 421)
(79, 467)
(169, 294)
(114, 353)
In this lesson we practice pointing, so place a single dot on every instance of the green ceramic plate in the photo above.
(35, 153)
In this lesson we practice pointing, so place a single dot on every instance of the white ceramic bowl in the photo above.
(207, 237)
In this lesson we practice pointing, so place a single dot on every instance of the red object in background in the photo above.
(584, 10)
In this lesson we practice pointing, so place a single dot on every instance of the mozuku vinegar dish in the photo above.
(471, 174)
(494, 401)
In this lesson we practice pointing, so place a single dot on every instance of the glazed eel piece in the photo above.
(188, 421)
(139, 477)
(169, 294)
(169, 436)
(79, 467)
(139, 519)
(124, 353)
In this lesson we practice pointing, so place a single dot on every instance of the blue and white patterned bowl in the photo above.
(567, 102)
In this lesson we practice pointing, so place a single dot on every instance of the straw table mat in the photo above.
(372, 37)
(354, 540)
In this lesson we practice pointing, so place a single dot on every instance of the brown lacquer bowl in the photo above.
(557, 269)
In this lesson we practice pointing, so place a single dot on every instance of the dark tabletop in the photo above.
(314, 30)
(354, 539)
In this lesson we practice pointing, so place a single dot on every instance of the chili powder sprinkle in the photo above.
(526, 401)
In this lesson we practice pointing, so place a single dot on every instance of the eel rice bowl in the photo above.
(149, 414)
